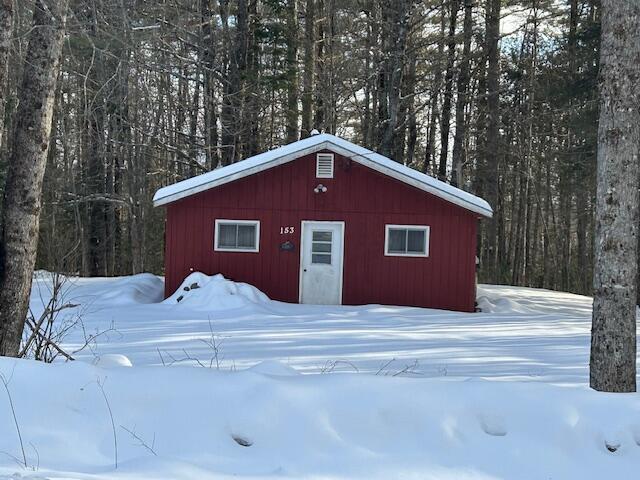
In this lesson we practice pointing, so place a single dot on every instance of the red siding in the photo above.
(365, 200)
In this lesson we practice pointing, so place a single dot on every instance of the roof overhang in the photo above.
(288, 153)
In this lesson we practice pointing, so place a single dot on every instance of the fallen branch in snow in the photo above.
(175, 360)
(330, 365)
(214, 343)
(193, 359)
(5, 382)
(408, 369)
(141, 442)
(384, 366)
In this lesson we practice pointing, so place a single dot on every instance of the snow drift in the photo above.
(202, 292)
(199, 423)
(259, 417)
(140, 288)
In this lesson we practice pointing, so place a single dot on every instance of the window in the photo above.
(324, 165)
(237, 235)
(321, 247)
(406, 240)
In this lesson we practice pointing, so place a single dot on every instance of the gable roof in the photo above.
(312, 144)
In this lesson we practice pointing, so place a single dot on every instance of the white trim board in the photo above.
(420, 228)
(315, 143)
(227, 221)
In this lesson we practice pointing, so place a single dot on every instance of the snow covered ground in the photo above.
(523, 334)
(407, 393)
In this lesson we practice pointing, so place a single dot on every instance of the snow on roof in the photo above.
(313, 144)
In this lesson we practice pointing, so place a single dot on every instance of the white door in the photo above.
(321, 263)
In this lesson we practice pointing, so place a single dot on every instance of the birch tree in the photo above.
(613, 332)
(21, 211)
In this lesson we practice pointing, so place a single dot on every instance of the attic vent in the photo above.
(324, 165)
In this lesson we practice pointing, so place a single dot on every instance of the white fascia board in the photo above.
(424, 182)
(223, 175)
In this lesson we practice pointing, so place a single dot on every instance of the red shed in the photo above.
(325, 221)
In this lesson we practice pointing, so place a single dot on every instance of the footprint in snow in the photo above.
(242, 441)
(612, 446)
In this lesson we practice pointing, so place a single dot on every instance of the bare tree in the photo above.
(613, 333)
(6, 16)
(454, 6)
(430, 150)
(292, 71)
(22, 203)
(397, 16)
(309, 68)
(491, 173)
(459, 150)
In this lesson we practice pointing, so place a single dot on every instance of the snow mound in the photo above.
(501, 305)
(202, 292)
(274, 368)
(110, 360)
(140, 288)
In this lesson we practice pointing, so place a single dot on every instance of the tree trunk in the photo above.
(613, 332)
(23, 189)
(6, 17)
(448, 91)
(491, 255)
(292, 71)
(232, 108)
(250, 106)
(397, 15)
(320, 118)
(208, 55)
(430, 150)
(412, 122)
(309, 68)
(459, 153)
(95, 160)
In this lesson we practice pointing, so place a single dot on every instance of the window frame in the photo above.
(225, 221)
(422, 228)
(333, 162)
(330, 253)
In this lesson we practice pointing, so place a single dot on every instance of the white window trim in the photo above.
(326, 155)
(423, 228)
(220, 221)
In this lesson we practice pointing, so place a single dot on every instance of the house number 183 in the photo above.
(286, 230)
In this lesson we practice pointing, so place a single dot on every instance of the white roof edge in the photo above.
(235, 171)
(312, 144)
